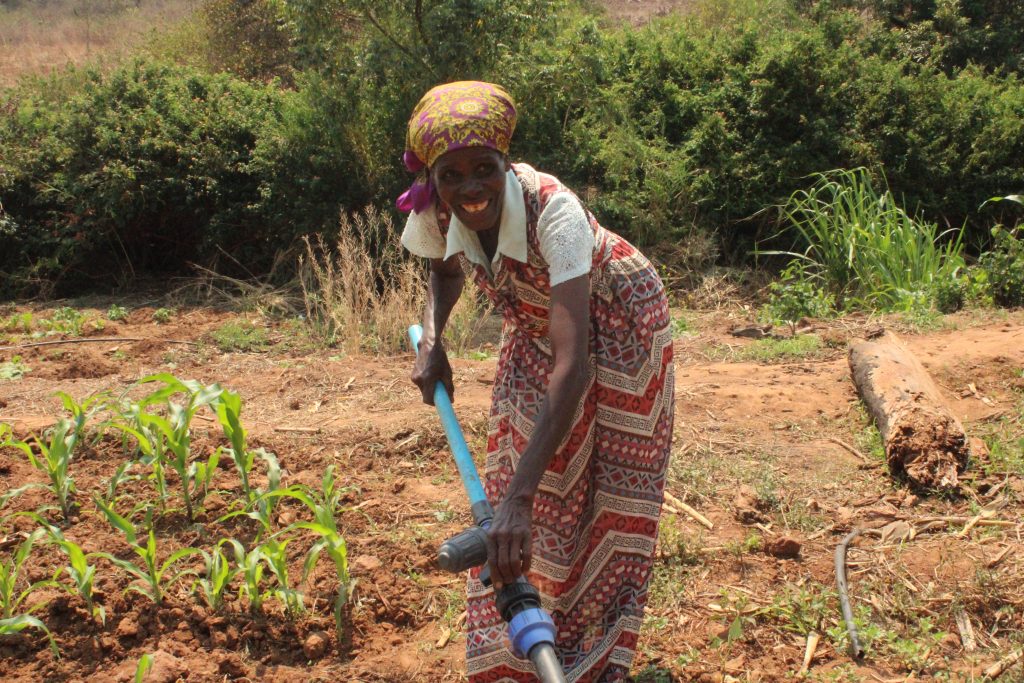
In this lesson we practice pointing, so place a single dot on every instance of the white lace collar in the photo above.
(511, 231)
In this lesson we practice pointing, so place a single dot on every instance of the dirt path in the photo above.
(720, 605)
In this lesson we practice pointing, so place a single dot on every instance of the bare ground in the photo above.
(722, 607)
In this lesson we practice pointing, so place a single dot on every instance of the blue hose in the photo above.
(457, 442)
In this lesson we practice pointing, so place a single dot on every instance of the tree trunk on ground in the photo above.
(922, 438)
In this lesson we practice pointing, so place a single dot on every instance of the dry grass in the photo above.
(358, 301)
(36, 38)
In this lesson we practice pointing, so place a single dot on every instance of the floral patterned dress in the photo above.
(595, 514)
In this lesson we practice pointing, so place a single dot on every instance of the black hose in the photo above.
(856, 651)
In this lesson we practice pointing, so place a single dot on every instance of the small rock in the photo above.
(166, 668)
(316, 644)
(398, 486)
(232, 666)
(367, 563)
(128, 628)
(784, 547)
(213, 503)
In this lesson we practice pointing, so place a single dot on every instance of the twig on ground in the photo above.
(88, 340)
(999, 558)
(851, 449)
(856, 651)
(1003, 664)
(963, 624)
(812, 646)
(305, 430)
(683, 507)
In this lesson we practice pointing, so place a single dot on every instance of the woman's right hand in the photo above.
(431, 367)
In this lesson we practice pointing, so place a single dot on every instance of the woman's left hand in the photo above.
(509, 540)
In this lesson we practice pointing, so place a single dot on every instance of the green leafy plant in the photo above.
(240, 336)
(55, 461)
(143, 667)
(250, 565)
(274, 553)
(11, 598)
(13, 625)
(153, 577)
(1004, 266)
(325, 505)
(116, 313)
(258, 506)
(795, 296)
(162, 316)
(13, 369)
(217, 575)
(861, 246)
(82, 413)
(65, 320)
(81, 572)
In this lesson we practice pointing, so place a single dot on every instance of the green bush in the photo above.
(796, 295)
(143, 169)
(1004, 267)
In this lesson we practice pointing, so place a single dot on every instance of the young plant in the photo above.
(275, 554)
(154, 578)
(259, 505)
(17, 624)
(250, 567)
(55, 460)
(11, 598)
(143, 667)
(217, 576)
(83, 412)
(81, 572)
(324, 505)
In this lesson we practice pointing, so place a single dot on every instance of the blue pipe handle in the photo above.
(456, 441)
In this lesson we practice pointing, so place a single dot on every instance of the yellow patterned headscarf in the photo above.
(461, 114)
(449, 117)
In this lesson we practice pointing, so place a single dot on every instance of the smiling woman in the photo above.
(581, 413)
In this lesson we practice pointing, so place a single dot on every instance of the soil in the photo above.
(777, 433)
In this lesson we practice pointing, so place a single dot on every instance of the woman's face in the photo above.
(472, 182)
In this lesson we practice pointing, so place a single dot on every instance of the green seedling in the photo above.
(115, 313)
(13, 369)
(217, 576)
(275, 555)
(250, 566)
(13, 625)
(162, 316)
(81, 572)
(259, 505)
(143, 667)
(324, 505)
(154, 578)
(84, 411)
(55, 461)
(10, 574)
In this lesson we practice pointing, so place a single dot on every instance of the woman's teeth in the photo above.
(475, 208)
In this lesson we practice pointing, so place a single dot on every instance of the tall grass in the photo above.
(37, 37)
(356, 299)
(860, 245)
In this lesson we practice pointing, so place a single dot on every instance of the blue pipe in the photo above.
(456, 441)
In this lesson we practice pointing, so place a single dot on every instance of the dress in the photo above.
(595, 515)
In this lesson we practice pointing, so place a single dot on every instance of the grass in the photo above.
(239, 335)
(772, 350)
(38, 37)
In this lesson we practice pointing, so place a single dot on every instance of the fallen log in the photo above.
(923, 440)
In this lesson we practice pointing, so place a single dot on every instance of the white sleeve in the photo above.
(566, 240)
(422, 236)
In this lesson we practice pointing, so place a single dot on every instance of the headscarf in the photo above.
(449, 117)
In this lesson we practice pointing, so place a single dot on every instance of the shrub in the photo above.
(796, 296)
(1004, 267)
(143, 169)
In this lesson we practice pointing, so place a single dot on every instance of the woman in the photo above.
(581, 416)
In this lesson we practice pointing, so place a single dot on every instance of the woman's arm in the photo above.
(443, 290)
(510, 538)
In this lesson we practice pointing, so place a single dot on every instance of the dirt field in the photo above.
(722, 607)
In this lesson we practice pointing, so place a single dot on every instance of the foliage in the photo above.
(162, 316)
(81, 572)
(248, 39)
(11, 598)
(13, 369)
(860, 246)
(1004, 267)
(19, 623)
(240, 336)
(117, 312)
(153, 577)
(55, 460)
(139, 169)
(797, 296)
(217, 576)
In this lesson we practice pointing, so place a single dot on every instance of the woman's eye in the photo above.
(449, 176)
(484, 170)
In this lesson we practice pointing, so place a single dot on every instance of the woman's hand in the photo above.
(431, 367)
(509, 540)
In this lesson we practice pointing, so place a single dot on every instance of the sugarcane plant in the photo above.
(153, 577)
(54, 460)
